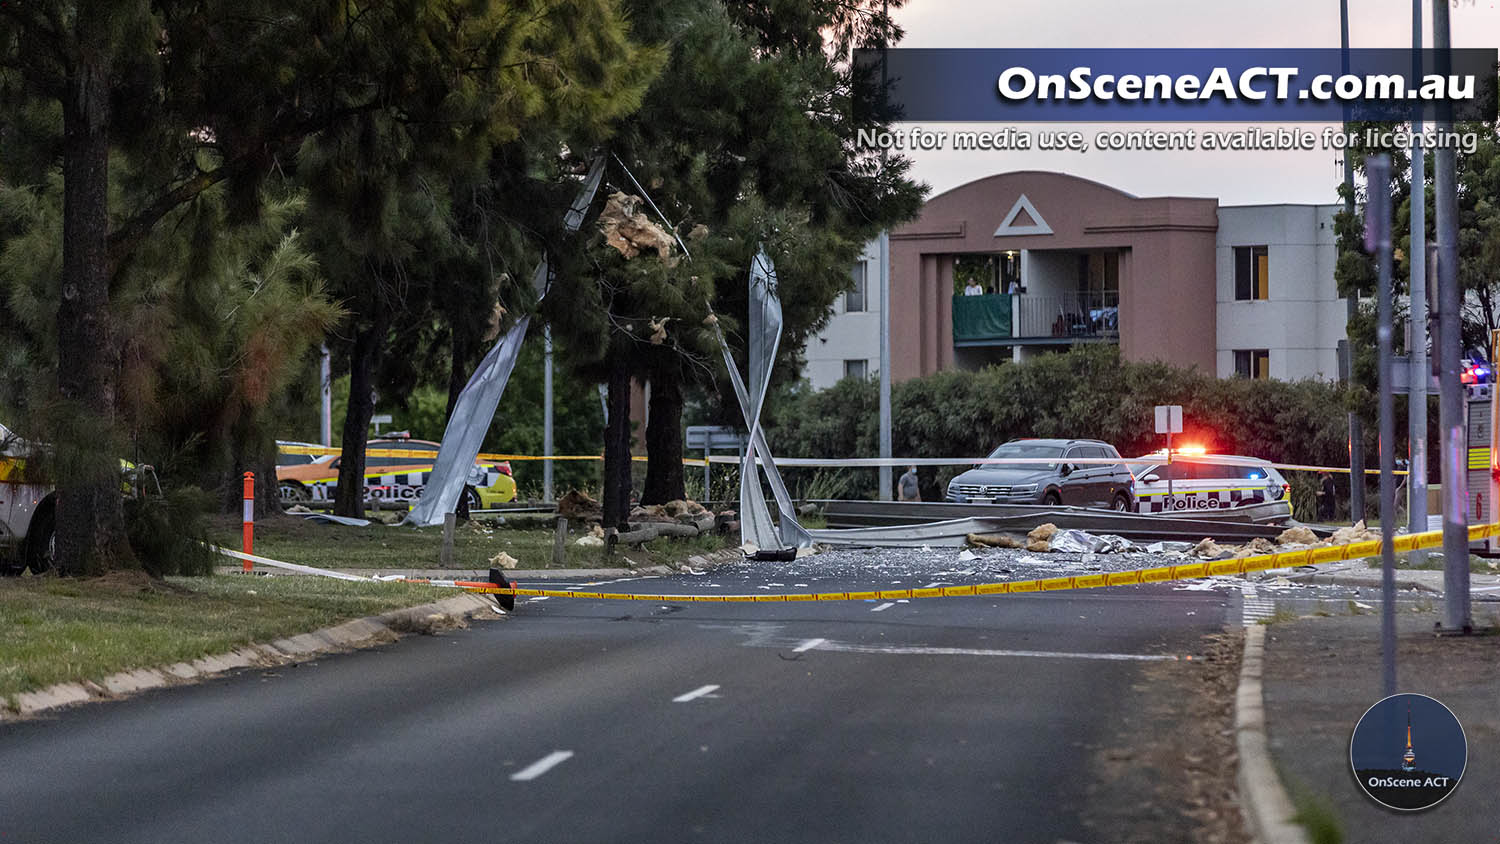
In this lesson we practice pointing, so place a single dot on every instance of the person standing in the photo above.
(1325, 497)
(973, 288)
(909, 490)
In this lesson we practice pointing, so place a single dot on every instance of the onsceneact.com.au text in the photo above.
(1255, 83)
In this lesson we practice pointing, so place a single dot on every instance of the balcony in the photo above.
(982, 320)
(1026, 319)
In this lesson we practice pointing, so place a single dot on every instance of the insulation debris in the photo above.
(630, 231)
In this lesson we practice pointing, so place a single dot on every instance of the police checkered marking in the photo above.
(1204, 499)
(403, 486)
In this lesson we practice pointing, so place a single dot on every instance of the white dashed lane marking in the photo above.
(542, 766)
(808, 645)
(701, 691)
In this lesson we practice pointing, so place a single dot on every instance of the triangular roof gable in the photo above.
(1010, 226)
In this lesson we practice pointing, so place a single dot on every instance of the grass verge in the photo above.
(55, 630)
(297, 540)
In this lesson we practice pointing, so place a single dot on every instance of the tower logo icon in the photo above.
(1388, 769)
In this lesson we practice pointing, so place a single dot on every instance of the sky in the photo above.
(1236, 178)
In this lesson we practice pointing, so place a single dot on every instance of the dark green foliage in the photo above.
(169, 534)
(1086, 392)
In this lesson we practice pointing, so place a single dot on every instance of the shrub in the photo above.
(168, 533)
(1088, 391)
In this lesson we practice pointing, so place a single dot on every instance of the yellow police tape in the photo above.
(1161, 574)
(428, 457)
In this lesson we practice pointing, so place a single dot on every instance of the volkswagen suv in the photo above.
(1054, 472)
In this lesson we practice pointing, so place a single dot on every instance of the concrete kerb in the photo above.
(1267, 808)
(695, 562)
(350, 635)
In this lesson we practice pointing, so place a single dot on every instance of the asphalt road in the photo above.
(948, 720)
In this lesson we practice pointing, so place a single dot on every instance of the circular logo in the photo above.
(1408, 752)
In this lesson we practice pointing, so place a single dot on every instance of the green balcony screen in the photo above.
(981, 318)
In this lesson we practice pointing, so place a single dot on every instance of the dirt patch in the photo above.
(1167, 772)
(135, 580)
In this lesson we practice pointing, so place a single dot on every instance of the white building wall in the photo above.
(1302, 320)
(849, 336)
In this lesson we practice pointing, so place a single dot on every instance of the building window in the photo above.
(1252, 273)
(1252, 363)
(856, 368)
(854, 300)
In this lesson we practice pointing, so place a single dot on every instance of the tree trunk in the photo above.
(458, 369)
(90, 516)
(363, 364)
(617, 447)
(664, 478)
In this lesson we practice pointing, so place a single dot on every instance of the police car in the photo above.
(395, 479)
(27, 510)
(1200, 482)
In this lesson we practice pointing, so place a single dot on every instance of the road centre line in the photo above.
(542, 766)
(931, 651)
(701, 691)
(808, 645)
(885, 606)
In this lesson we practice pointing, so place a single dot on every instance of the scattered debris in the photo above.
(1211, 550)
(630, 230)
(589, 540)
(1169, 547)
(996, 540)
(579, 506)
(966, 555)
(1040, 538)
(1298, 535)
(1255, 547)
(1354, 533)
(1078, 541)
(503, 560)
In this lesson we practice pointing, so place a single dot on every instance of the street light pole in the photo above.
(1451, 399)
(885, 294)
(1356, 431)
(1378, 241)
(1416, 479)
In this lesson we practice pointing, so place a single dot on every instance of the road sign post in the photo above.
(1169, 422)
(247, 540)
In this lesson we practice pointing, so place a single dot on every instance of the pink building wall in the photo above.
(1167, 266)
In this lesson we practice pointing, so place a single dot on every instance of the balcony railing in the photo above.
(1081, 315)
(977, 319)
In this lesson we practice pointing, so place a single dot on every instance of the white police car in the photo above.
(1203, 482)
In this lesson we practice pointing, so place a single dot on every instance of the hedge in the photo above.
(1088, 391)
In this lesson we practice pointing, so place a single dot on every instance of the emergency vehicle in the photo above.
(28, 518)
(396, 473)
(1199, 485)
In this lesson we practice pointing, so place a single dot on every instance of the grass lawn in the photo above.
(54, 630)
(296, 540)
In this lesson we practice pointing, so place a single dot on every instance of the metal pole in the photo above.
(1356, 430)
(885, 301)
(885, 364)
(547, 413)
(1451, 415)
(325, 375)
(1416, 481)
(1170, 502)
(1378, 240)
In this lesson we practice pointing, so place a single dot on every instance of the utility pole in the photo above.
(1451, 415)
(1378, 241)
(547, 413)
(885, 293)
(325, 381)
(1356, 431)
(1416, 479)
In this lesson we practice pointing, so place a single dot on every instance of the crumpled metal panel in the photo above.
(475, 408)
